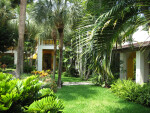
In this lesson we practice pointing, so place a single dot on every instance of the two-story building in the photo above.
(45, 54)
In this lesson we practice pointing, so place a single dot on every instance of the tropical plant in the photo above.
(7, 59)
(46, 105)
(16, 94)
(8, 34)
(58, 16)
(111, 27)
(129, 90)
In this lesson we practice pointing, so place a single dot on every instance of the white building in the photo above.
(135, 58)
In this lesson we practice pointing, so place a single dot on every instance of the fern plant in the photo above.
(46, 105)
(16, 95)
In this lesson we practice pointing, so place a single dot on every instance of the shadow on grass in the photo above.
(128, 107)
(69, 93)
(93, 99)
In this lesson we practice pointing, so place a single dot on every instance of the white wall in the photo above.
(139, 67)
(15, 55)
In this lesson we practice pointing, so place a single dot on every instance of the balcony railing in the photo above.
(47, 42)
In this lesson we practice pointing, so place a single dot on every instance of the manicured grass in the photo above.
(64, 79)
(93, 99)
(68, 79)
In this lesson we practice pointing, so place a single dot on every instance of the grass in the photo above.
(69, 79)
(93, 99)
(64, 79)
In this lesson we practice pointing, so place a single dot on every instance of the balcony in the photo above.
(47, 42)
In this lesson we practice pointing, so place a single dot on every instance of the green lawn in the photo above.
(93, 99)
(64, 79)
(69, 79)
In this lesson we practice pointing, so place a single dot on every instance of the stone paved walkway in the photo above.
(77, 83)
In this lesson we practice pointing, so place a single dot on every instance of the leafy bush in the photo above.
(46, 105)
(50, 83)
(66, 74)
(99, 80)
(131, 91)
(28, 68)
(1, 70)
(126, 89)
(47, 78)
(144, 95)
(8, 60)
(16, 94)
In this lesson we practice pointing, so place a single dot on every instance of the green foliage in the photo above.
(126, 89)
(46, 105)
(8, 34)
(144, 95)
(45, 92)
(8, 60)
(66, 74)
(1, 70)
(100, 80)
(131, 91)
(16, 94)
(50, 83)
(28, 68)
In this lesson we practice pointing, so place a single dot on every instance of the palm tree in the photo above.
(20, 56)
(54, 35)
(113, 25)
(58, 16)
(7, 33)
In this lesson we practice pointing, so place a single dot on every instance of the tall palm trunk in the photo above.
(20, 57)
(54, 60)
(54, 35)
(61, 37)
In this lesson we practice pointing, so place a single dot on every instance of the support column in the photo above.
(139, 67)
(15, 57)
(123, 66)
(40, 57)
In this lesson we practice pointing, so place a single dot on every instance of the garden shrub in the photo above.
(66, 74)
(99, 80)
(1, 70)
(129, 90)
(28, 68)
(16, 95)
(46, 105)
(144, 95)
(126, 89)
(8, 60)
(47, 78)
(50, 83)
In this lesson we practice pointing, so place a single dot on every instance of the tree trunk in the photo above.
(61, 36)
(30, 61)
(87, 75)
(20, 57)
(54, 59)
(54, 36)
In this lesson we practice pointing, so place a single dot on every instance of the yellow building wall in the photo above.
(130, 65)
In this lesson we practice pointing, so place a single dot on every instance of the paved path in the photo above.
(77, 83)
